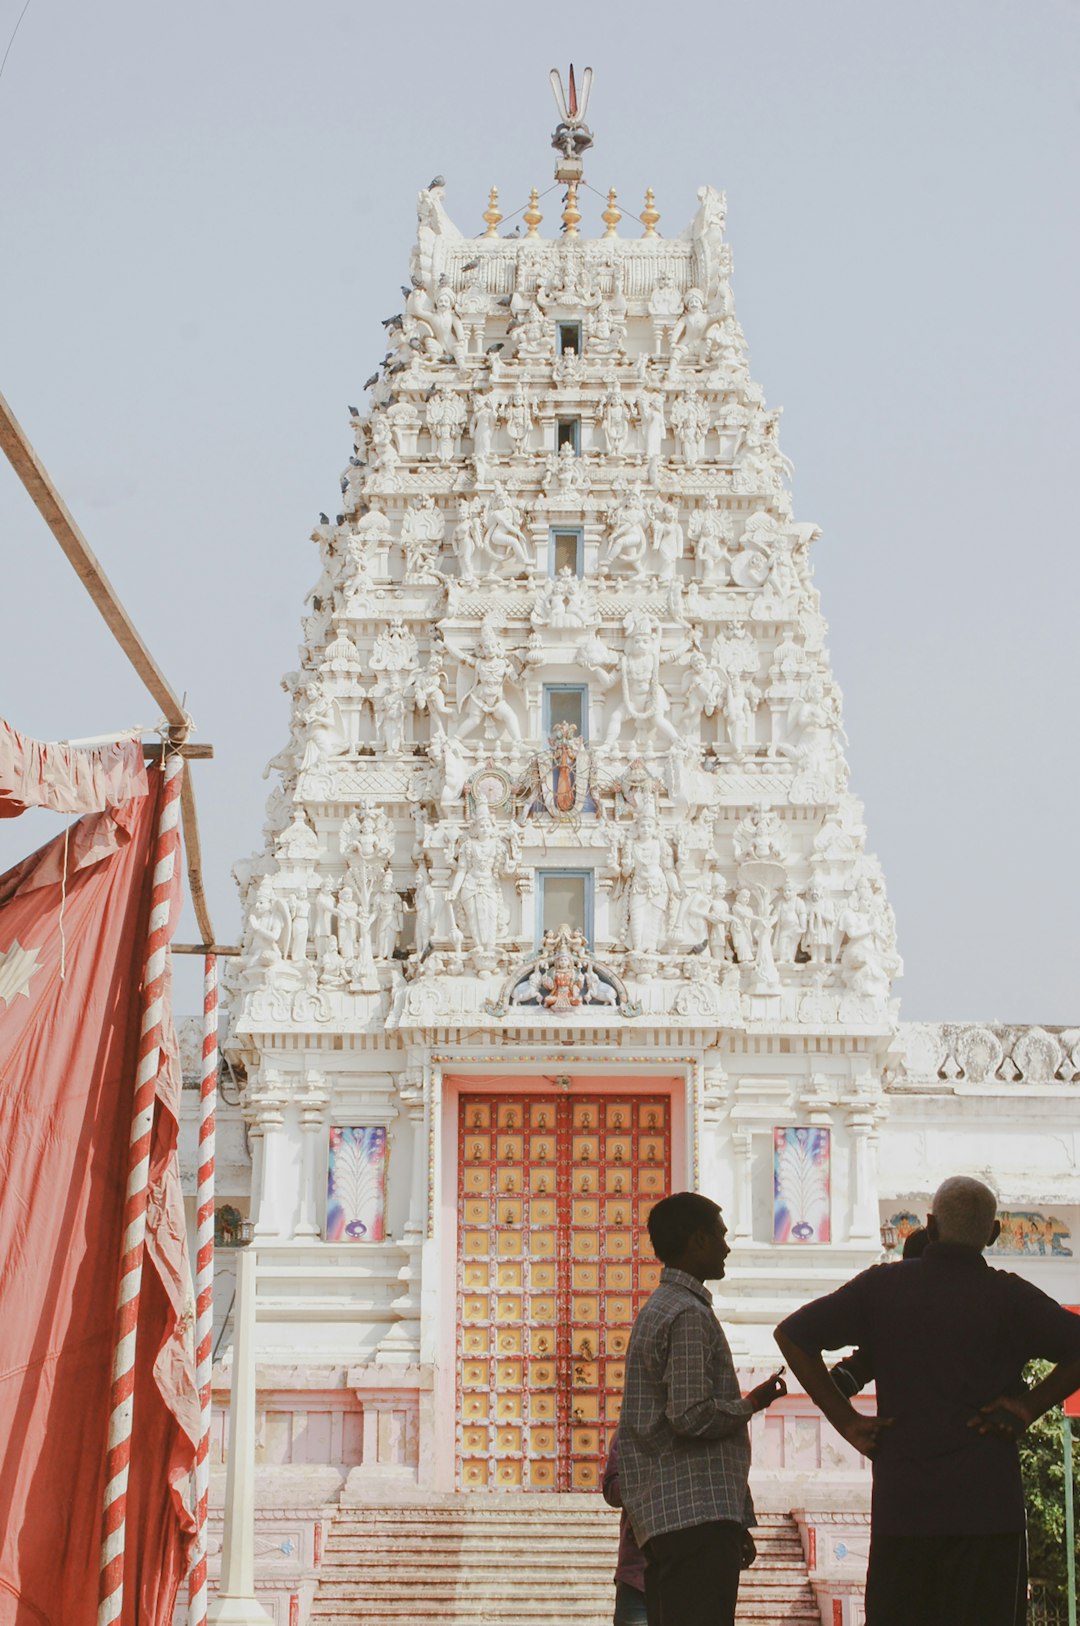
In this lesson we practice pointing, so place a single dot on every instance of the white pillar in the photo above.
(267, 1103)
(865, 1221)
(742, 1142)
(411, 1091)
(236, 1604)
(312, 1103)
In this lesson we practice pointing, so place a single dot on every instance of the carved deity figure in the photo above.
(813, 727)
(741, 700)
(707, 911)
(690, 421)
(428, 689)
(486, 704)
(298, 840)
(664, 307)
(467, 538)
(820, 934)
(519, 414)
(422, 528)
(445, 420)
(322, 918)
(482, 428)
(389, 914)
(627, 538)
(389, 702)
(711, 534)
(651, 410)
(613, 414)
(791, 923)
(650, 888)
(348, 922)
(743, 922)
(606, 329)
(693, 336)
(863, 959)
(704, 690)
(481, 860)
(504, 537)
(320, 727)
(436, 324)
(668, 538)
(532, 336)
(637, 670)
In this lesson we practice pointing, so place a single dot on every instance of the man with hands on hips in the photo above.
(684, 1445)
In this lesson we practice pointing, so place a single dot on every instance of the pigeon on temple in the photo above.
(372, 381)
(439, 180)
(324, 519)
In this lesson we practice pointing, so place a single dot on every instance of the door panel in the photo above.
(554, 1194)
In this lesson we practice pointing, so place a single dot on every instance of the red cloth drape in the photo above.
(67, 1071)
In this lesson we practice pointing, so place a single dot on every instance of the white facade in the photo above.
(565, 655)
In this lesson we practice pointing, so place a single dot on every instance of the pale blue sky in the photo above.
(206, 209)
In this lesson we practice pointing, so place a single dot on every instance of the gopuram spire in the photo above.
(572, 135)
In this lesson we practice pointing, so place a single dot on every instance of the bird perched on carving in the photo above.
(354, 412)
(472, 265)
(493, 349)
(392, 321)
(372, 381)
(324, 519)
(439, 180)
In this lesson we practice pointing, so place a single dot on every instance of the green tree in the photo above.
(1043, 1467)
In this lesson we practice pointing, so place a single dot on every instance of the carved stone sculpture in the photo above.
(486, 706)
(641, 698)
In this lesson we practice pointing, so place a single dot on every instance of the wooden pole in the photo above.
(54, 511)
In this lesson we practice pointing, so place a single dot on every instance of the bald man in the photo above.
(947, 1338)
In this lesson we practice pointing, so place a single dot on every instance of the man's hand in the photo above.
(765, 1393)
(1008, 1417)
(864, 1433)
(749, 1551)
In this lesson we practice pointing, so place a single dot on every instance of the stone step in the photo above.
(520, 1562)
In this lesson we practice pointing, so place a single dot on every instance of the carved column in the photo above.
(714, 1179)
(411, 1091)
(742, 1143)
(865, 1224)
(312, 1102)
(268, 1099)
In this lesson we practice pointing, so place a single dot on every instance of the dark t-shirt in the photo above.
(945, 1334)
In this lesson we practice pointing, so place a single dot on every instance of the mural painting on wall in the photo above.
(1024, 1234)
(801, 1185)
(356, 1185)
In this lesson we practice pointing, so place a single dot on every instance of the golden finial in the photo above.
(491, 213)
(532, 216)
(571, 215)
(611, 215)
(650, 214)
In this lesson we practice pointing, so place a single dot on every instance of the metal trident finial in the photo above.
(573, 136)
(570, 111)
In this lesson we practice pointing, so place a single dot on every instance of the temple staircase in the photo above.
(515, 1560)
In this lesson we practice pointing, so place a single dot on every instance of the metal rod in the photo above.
(204, 948)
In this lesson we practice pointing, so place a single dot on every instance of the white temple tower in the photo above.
(565, 901)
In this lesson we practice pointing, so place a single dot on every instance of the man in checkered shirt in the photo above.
(684, 1447)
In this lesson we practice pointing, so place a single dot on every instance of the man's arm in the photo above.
(807, 1365)
(1055, 1387)
(692, 1409)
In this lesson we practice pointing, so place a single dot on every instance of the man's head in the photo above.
(687, 1231)
(964, 1213)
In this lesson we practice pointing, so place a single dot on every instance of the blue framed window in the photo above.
(566, 550)
(564, 897)
(566, 703)
(568, 431)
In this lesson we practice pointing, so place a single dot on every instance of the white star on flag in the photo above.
(17, 966)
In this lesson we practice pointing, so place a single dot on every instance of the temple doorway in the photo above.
(553, 1195)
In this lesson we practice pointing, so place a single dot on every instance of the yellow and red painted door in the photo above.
(553, 1264)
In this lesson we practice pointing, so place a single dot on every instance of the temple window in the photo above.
(566, 703)
(570, 338)
(564, 897)
(568, 433)
(566, 551)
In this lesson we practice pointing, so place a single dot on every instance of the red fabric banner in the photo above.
(68, 1046)
(67, 778)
